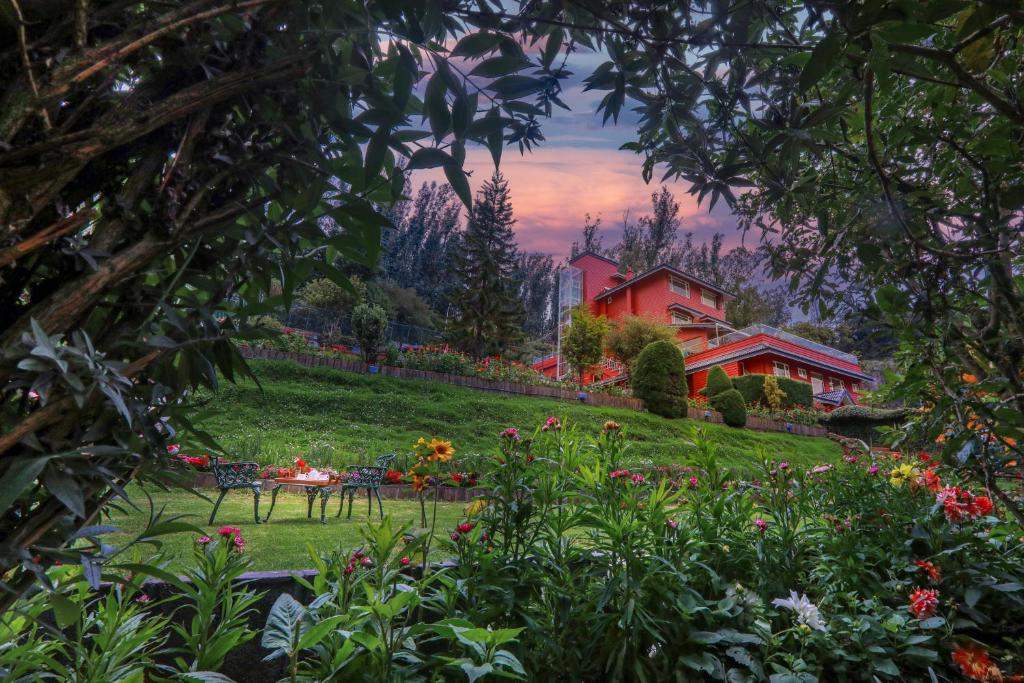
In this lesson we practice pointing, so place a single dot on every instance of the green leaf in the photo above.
(823, 58)
(428, 157)
(285, 620)
(437, 107)
(552, 48)
(205, 677)
(315, 634)
(499, 66)
(21, 473)
(457, 178)
(476, 44)
(514, 87)
(66, 489)
(65, 610)
(972, 595)
(474, 672)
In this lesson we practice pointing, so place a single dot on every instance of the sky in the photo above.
(580, 170)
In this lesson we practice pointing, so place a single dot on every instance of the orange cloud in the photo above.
(556, 185)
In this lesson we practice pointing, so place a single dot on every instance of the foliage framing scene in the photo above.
(187, 185)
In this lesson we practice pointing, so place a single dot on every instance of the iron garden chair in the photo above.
(369, 477)
(237, 475)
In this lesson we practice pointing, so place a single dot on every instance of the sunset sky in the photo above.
(580, 170)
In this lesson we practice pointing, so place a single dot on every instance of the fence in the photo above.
(753, 422)
(327, 322)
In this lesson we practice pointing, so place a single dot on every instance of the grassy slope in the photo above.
(361, 416)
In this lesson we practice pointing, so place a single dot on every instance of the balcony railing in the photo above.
(781, 334)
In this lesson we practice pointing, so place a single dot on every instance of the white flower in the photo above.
(806, 612)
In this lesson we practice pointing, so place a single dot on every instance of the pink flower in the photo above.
(783, 465)
(672, 524)
(366, 562)
(404, 561)
(465, 527)
(143, 599)
(239, 543)
(229, 531)
(349, 569)
(873, 470)
(455, 536)
(821, 469)
(512, 434)
(203, 540)
(618, 473)
(552, 423)
(693, 482)
(761, 525)
(172, 449)
(638, 478)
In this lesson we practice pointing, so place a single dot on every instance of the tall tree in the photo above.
(535, 284)
(419, 251)
(650, 240)
(490, 313)
(592, 238)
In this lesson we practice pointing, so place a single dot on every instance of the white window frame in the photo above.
(801, 373)
(835, 384)
(705, 294)
(680, 287)
(778, 366)
(681, 318)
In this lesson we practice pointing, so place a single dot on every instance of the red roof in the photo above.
(764, 343)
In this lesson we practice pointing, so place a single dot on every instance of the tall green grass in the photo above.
(339, 418)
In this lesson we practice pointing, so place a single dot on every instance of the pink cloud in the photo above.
(556, 185)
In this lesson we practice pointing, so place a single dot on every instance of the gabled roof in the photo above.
(580, 255)
(664, 267)
(745, 352)
(836, 397)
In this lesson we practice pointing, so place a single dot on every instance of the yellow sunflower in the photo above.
(441, 451)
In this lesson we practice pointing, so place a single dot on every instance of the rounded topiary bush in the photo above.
(659, 379)
(718, 382)
(730, 405)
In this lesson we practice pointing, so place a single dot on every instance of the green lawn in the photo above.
(278, 544)
(339, 418)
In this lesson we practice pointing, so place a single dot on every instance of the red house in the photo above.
(696, 309)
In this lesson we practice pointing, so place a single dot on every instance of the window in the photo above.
(681, 319)
(680, 287)
(743, 368)
(708, 298)
(817, 385)
(780, 369)
(801, 372)
(835, 384)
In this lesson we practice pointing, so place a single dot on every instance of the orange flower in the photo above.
(923, 602)
(931, 480)
(969, 378)
(975, 663)
(419, 482)
(933, 572)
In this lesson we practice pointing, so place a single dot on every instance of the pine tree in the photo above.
(490, 312)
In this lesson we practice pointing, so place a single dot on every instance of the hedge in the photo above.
(862, 422)
(798, 394)
(730, 404)
(659, 379)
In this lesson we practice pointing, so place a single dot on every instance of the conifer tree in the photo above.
(490, 312)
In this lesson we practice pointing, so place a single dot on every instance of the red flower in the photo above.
(761, 525)
(923, 602)
(975, 663)
(404, 562)
(465, 527)
(931, 481)
(933, 572)
(983, 504)
(229, 531)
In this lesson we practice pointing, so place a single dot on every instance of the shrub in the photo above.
(797, 393)
(730, 405)
(718, 382)
(659, 379)
(324, 293)
(774, 396)
(632, 334)
(584, 344)
(370, 327)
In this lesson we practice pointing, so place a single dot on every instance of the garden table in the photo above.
(314, 487)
